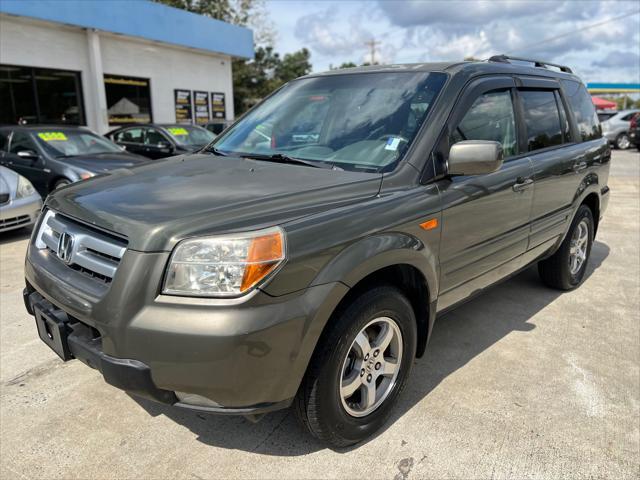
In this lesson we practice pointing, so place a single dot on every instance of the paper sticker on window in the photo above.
(178, 131)
(392, 143)
(53, 136)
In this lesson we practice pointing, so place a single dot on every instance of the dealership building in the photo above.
(112, 62)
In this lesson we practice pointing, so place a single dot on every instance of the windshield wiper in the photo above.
(215, 151)
(282, 158)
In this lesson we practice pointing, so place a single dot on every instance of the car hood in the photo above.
(160, 203)
(104, 162)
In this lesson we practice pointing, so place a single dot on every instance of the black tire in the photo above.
(555, 271)
(622, 142)
(61, 182)
(318, 404)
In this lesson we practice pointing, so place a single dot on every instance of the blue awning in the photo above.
(142, 19)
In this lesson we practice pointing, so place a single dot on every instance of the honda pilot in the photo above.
(300, 259)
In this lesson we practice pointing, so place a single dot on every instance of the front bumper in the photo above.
(225, 356)
(20, 212)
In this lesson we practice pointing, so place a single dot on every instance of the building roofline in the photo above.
(161, 23)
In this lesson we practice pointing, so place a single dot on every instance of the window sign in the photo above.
(201, 102)
(218, 108)
(183, 106)
(128, 99)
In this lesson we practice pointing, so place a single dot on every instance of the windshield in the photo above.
(359, 122)
(69, 143)
(190, 136)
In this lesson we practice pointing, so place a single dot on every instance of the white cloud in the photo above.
(412, 31)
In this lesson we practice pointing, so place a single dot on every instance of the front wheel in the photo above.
(565, 269)
(359, 368)
(63, 182)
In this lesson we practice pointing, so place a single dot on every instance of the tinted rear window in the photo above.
(541, 118)
(583, 110)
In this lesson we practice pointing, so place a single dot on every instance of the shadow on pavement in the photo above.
(15, 235)
(458, 337)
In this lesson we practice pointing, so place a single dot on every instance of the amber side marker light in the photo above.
(429, 224)
(265, 254)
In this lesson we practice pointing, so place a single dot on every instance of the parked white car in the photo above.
(20, 204)
(616, 128)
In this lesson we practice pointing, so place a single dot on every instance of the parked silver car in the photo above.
(616, 128)
(20, 204)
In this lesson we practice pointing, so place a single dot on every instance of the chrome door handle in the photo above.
(579, 166)
(522, 184)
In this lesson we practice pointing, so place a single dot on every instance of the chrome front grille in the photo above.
(82, 248)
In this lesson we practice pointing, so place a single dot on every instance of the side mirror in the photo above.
(28, 154)
(165, 146)
(475, 157)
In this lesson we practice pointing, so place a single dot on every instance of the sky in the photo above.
(423, 30)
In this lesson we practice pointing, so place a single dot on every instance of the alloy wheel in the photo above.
(371, 367)
(578, 247)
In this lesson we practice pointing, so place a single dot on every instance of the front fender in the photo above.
(376, 252)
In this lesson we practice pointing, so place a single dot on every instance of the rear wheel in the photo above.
(359, 368)
(565, 269)
(622, 141)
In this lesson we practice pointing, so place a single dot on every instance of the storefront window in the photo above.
(128, 100)
(40, 95)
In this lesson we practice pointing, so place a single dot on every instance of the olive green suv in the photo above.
(302, 257)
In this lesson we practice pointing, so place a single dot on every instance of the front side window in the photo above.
(21, 142)
(70, 143)
(154, 137)
(583, 110)
(491, 117)
(362, 122)
(541, 118)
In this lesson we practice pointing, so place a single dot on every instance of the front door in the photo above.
(485, 218)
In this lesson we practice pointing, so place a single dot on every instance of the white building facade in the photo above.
(108, 63)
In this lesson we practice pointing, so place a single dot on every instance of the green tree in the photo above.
(344, 65)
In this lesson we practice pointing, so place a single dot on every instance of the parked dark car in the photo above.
(53, 156)
(307, 268)
(634, 131)
(160, 141)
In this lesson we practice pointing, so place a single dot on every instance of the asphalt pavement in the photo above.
(521, 382)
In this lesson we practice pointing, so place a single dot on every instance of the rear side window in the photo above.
(583, 110)
(491, 117)
(542, 119)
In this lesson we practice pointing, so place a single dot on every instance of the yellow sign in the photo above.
(178, 131)
(53, 136)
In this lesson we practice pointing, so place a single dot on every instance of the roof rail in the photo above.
(537, 63)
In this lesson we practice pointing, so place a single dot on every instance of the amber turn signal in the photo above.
(429, 224)
(265, 254)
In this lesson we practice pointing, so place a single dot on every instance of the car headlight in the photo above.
(226, 265)
(87, 175)
(25, 188)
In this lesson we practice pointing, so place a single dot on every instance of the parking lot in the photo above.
(521, 382)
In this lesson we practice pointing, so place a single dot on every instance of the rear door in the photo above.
(560, 160)
(485, 217)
